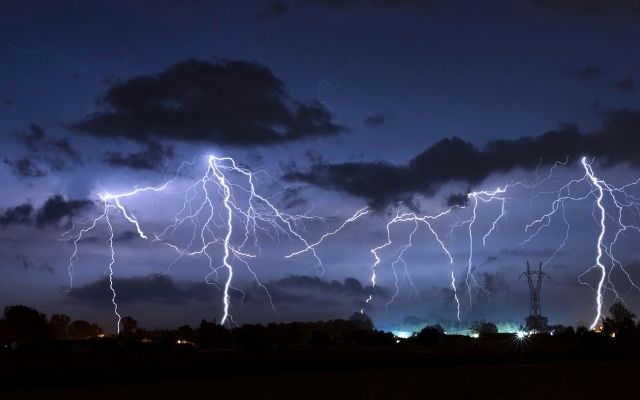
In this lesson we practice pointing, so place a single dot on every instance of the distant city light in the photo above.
(402, 334)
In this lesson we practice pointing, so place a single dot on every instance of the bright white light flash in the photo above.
(605, 196)
(223, 210)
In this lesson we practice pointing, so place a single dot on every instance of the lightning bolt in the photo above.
(473, 198)
(223, 209)
(603, 194)
(226, 215)
(601, 191)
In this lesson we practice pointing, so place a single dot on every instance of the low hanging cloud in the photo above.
(46, 154)
(237, 103)
(56, 211)
(624, 85)
(25, 167)
(29, 265)
(19, 215)
(376, 119)
(456, 160)
(156, 288)
(273, 10)
(152, 157)
(587, 73)
(153, 288)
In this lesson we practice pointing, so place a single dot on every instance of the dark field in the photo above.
(496, 368)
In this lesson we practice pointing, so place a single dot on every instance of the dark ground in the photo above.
(496, 368)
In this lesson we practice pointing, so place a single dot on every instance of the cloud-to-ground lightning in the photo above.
(610, 204)
(222, 209)
(607, 198)
(226, 215)
(428, 221)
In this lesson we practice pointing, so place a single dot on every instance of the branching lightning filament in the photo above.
(225, 214)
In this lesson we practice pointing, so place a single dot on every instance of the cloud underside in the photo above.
(45, 154)
(456, 160)
(236, 103)
(55, 211)
(296, 290)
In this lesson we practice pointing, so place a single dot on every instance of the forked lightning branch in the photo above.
(228, 217)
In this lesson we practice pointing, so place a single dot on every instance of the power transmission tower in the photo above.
(535, 321)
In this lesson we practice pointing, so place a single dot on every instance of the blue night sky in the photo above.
(399, 106)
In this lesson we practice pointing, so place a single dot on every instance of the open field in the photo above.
(498, 368)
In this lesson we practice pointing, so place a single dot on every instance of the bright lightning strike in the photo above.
(607, 198)
(225, 213)
(226, 216)
(610, 202)
(429, 222)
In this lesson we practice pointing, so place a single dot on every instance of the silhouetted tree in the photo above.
(212, 335)
(185, 332)
(562, 330)
(80, 329)
(484, 328)
(4, 332)
(25, 324)
(362, 320)
(320, 338)
(430, 335)
(58, 324)
(129, 326)
(251, 337)
(620, 320)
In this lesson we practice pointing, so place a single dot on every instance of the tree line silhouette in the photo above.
(25, 327)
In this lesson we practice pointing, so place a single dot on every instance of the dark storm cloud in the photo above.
(587, 73)
(45, 154)
(376, 120)
(29, 265)
(127, 236)
(153, 288)
(25, 168)
(494, 282)
(19, 215)
(153, 157)
(313, 291)
(124, 237)
(34, 137)
(58, 210)
(291, 198)
(349, 287)
(456, 160)
(274, 9)
(55, 151)
(235, 103)
(626, 85)
(457, 199)
(156, 288)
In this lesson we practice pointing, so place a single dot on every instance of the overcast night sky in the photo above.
(399, 106)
